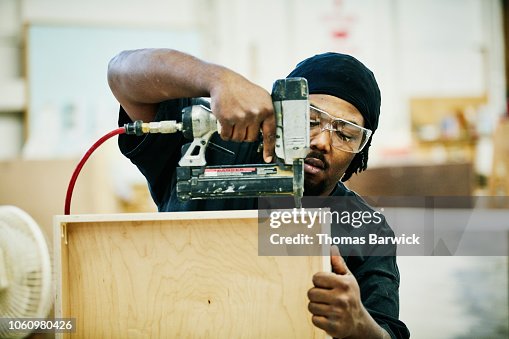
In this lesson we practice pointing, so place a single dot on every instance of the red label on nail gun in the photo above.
(230, 171)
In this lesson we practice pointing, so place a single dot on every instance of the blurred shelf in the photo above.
(448, 142)
(446, 128)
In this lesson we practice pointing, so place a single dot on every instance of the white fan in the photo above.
(25, 270)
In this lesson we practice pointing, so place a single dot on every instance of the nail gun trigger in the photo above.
(221, 149)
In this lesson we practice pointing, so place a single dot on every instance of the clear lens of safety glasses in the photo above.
(344, 135)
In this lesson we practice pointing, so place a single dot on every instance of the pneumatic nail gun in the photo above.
(285, 177)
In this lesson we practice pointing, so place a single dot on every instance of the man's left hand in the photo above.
(335, 303)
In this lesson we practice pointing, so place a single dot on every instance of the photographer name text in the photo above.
(326, 239)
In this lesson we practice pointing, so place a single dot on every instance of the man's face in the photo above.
(325, 165)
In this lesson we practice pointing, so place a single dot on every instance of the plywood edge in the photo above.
(326, 264)
(61, 271)
(240, 214)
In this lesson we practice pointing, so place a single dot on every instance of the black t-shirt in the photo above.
(157, 156)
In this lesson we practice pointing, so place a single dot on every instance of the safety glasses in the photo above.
(344, 135)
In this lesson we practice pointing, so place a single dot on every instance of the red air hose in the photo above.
(67, 208)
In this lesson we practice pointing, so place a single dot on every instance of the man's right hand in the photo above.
(243, 109)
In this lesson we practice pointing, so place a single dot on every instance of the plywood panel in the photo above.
(180, 275)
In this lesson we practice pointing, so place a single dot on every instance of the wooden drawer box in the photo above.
(178, 275)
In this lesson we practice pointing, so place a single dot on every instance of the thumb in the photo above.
(337, 262)
(269, 138)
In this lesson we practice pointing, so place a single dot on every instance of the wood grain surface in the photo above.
(185, 275)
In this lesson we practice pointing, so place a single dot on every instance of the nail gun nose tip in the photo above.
(298, 203)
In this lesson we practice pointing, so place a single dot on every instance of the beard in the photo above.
(313, 189)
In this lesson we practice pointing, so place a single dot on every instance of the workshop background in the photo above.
(441, 66)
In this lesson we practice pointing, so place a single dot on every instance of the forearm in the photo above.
(140, 79)
(368, 328)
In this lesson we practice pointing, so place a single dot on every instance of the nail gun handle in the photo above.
(198, 124)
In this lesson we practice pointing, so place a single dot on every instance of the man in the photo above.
(355, 301)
